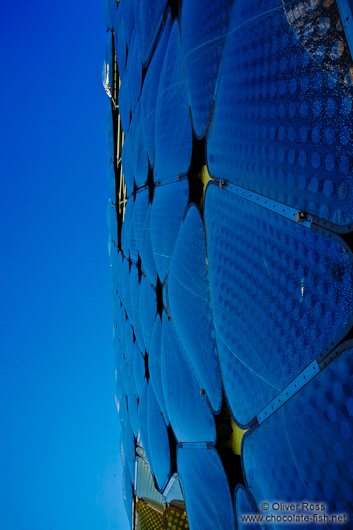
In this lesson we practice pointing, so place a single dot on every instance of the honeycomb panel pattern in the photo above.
(282, 121)
(307, 445)
(281, 295)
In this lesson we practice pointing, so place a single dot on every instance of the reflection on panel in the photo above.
(203, 46)
(307, 445)
(207, 496)
(173, 123)
(150, 17)
(281, 295)
(188, 281)
(146, 252)
(282, 125)
(168, 209)
(154, 365)
(158, 441)
(150, 90)
(188, 411)
(148, 310)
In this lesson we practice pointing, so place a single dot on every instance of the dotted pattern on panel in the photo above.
(158, 441)
(148, 518)
(281, 295)
(282, 121)
(168, 209)
(150, 90)
(173, 122)
(307, 446)
(188, 280)
(207, 496)
(203, 46)
(176, 519)
(244, 507)
(149, 20)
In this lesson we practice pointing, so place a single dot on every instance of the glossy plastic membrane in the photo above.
(149, 20)
(107, 71)
(127, 493)
(188, 280)
(109, 12)
(148, 310)
(282, 294)
(173, 132)
(120, 38)
(282, 121)
(150, 90)
(134, 71)
(307, 445)
(144, 485)
(146, 252)
(188, 411)
(138, 220)
(203, 44)
(158, 441)
(244, 507)
(168, 209)
(154, 365)
(207, 496)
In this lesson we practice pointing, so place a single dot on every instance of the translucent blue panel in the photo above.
(109, 12)
(129, 19)
(188, 411)
(112, 221)
(207, 496)
(168, 209)
(140, 210)
(307, 445)
(132, 408)
(139, 369)
(124, 289)
(154, 366)
(150, 14)
(244, 507)
(111, 180)
(173, 122)
(203, 44)
(146, 252)
(124, 101)
(134, 70)
(150, 90)
(122, 445)
(129, 342)
(127, 493)
(130, 449)
(134, 294)
(126, 228)
(148, 310)
(282, 125)
(140, 155)
(120, 38)
(143, 411)
(190, 304)
(281, 295)
(158, 441)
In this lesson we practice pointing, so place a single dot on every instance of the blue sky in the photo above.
(60, 429)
